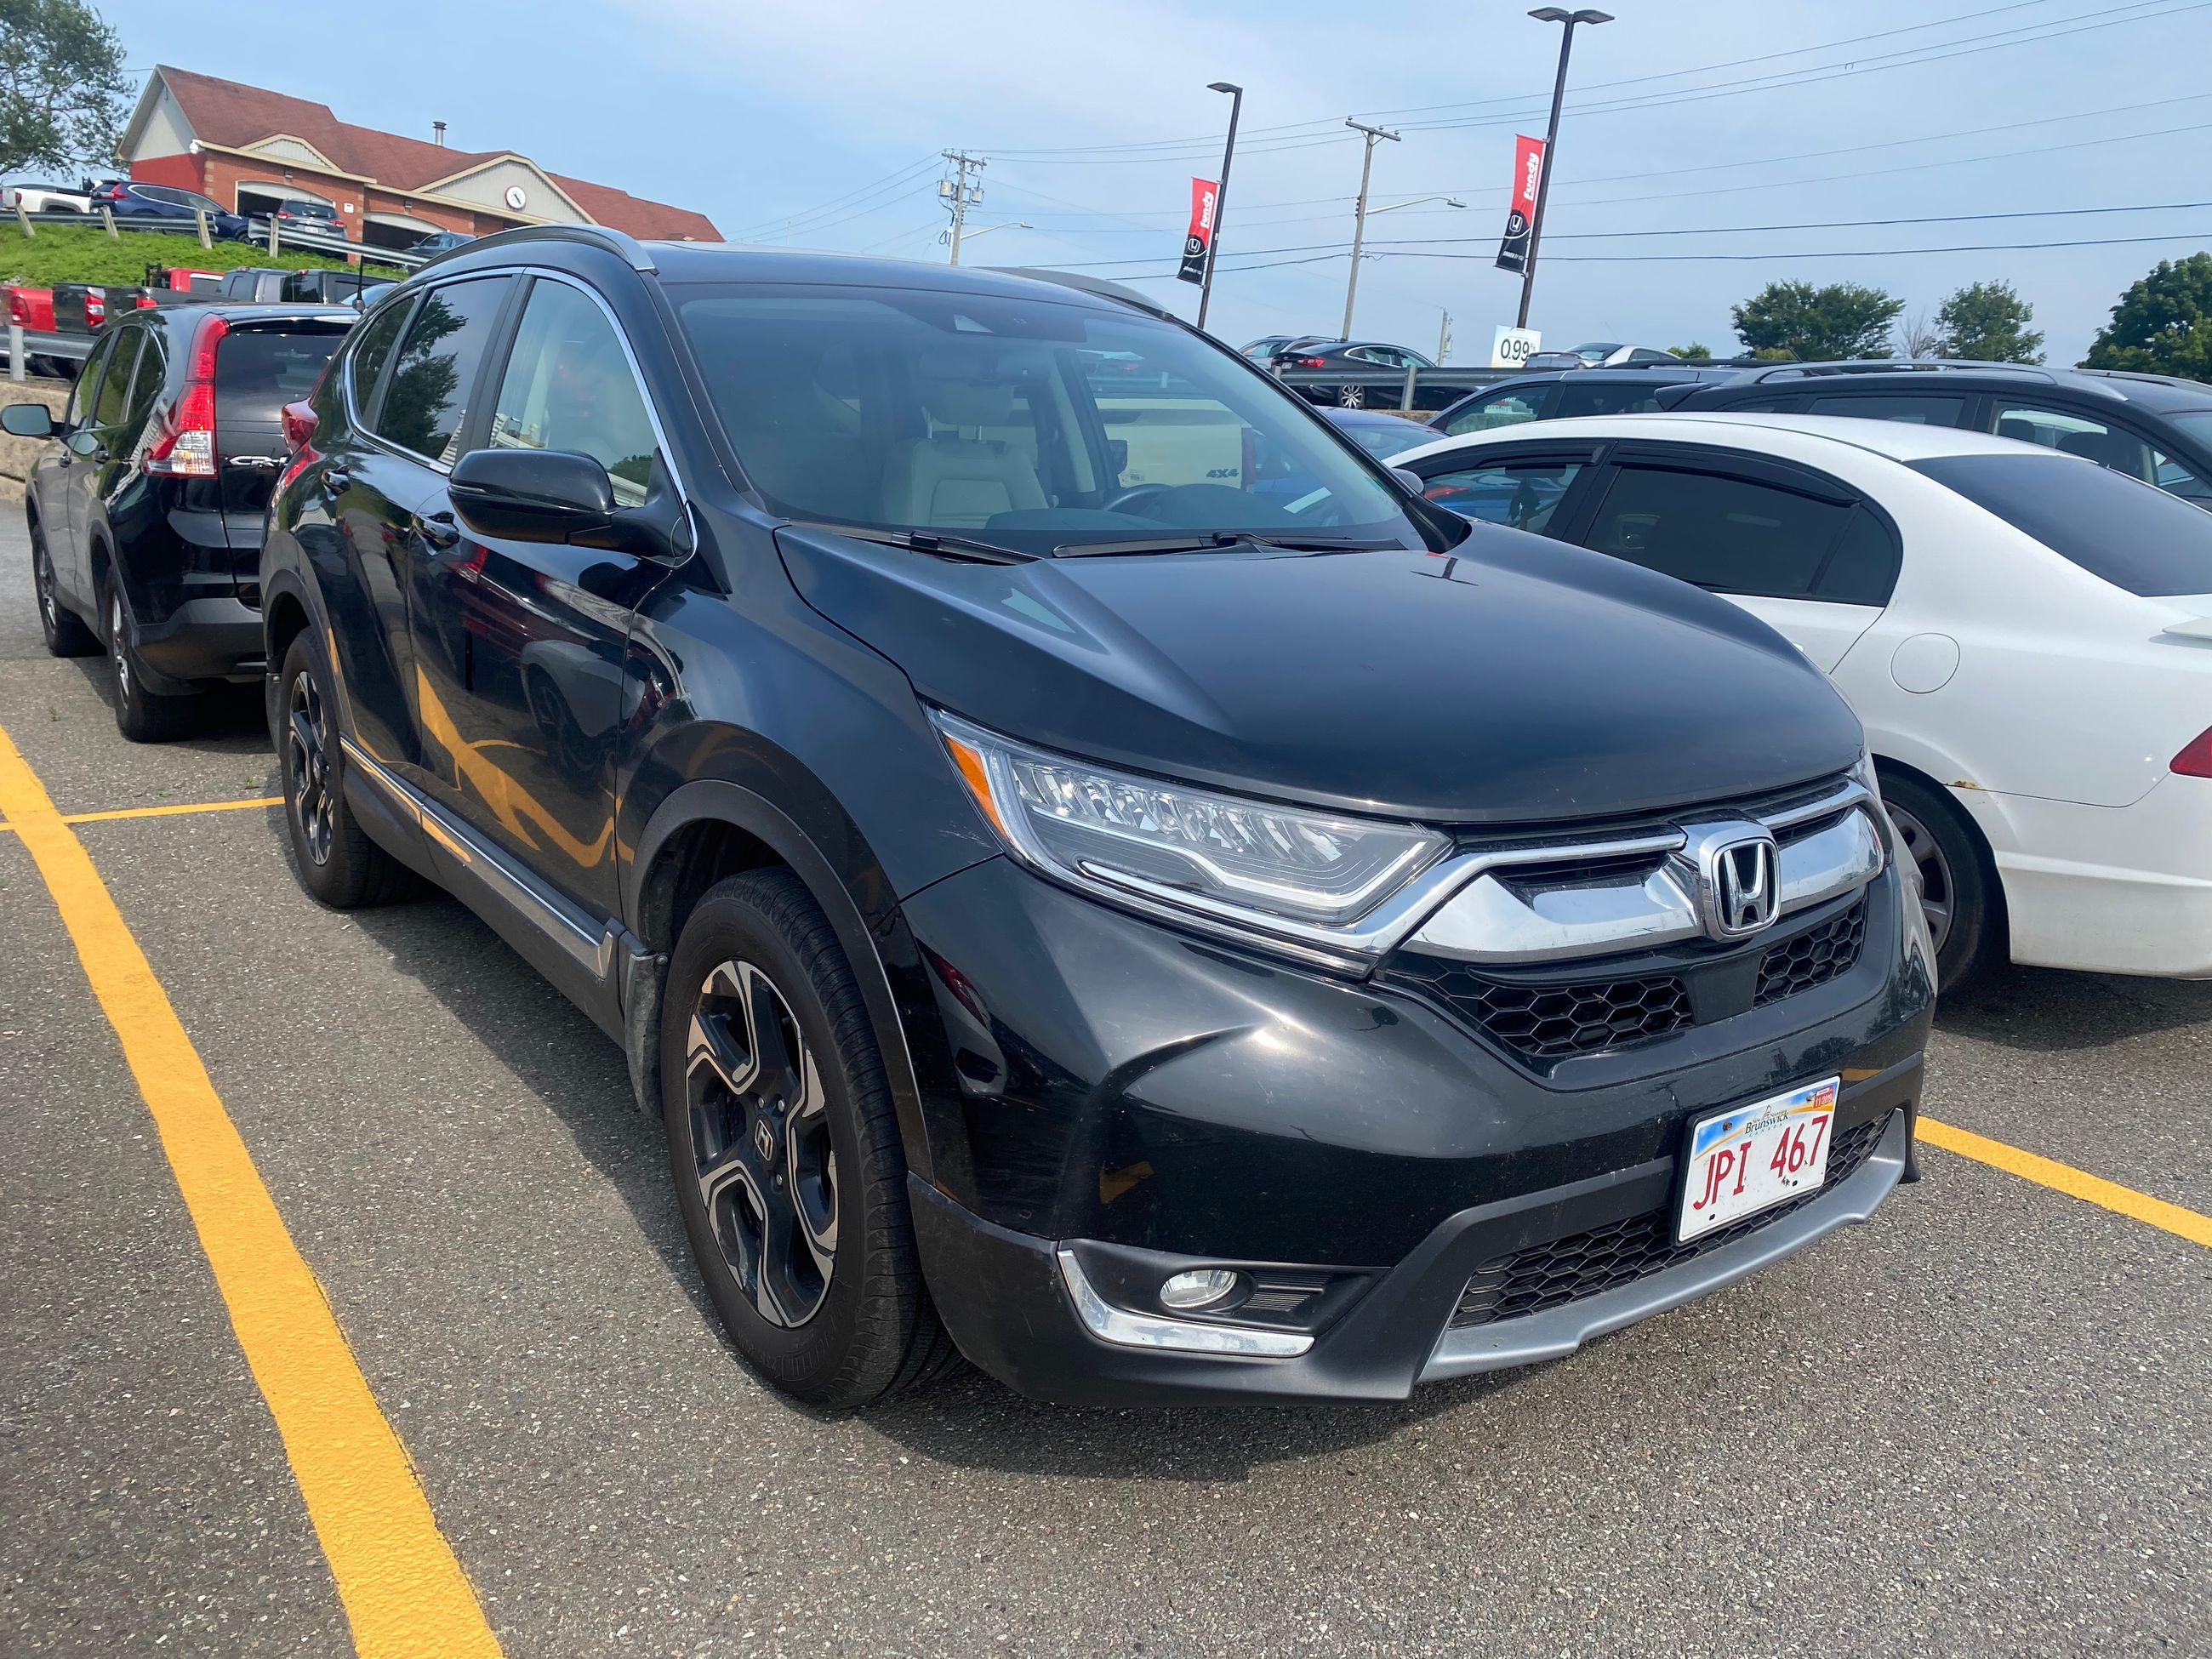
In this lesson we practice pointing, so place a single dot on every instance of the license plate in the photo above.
(1745, 1159)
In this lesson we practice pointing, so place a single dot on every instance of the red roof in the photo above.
(236, 116)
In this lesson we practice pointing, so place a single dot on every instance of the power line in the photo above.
(900, 177)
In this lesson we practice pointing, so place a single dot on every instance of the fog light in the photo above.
(1201, 1287)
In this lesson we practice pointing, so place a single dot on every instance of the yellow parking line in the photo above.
(2075, 1183)
(160, 811)
(405, 1593)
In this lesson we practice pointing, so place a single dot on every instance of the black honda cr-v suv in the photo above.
(1169, 940)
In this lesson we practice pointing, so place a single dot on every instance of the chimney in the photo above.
(438, 128)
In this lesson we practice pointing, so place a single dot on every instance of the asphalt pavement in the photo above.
(1977, 1425)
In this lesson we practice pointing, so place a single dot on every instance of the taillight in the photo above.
(185, 446)
(1313, 362)
(299, 423)
(19, 308)
(2195, 760)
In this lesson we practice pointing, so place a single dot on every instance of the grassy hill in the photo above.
(68, 253)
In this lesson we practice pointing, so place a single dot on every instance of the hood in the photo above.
(1515, 679)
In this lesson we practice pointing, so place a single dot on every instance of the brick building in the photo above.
(249, 148)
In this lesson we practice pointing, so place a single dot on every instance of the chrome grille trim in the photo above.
(1504, 911)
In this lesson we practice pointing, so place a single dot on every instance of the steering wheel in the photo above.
(1144, 492)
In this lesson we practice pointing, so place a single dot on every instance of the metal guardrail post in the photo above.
(23, 218)
(14, 351)
(107, 218)
(274, 235)
(1405, 397)
(199, 215)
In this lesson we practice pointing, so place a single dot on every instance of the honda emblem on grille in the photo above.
(1738, 877)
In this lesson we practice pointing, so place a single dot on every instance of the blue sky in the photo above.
(818, 123)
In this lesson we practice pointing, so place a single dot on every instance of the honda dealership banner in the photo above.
(1521, 218)
(1204, 193)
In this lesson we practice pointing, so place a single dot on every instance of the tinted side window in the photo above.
(88, 380)
(1605, 398)
(1507, 409)
(568, 385)
(2133, 537)
(115, 385)
(1522, 496)
(1913, 408)
(436, 367)
(2077, 435)
(1727, 534)
(145, 386)
(1863, 568)
(372, 344)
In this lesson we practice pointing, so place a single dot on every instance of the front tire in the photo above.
(337, 863)
(1959, 895)
(141, 715)
(66, 635)
(785, 1149)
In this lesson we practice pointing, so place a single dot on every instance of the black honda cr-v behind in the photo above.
(145, 516)
(1169, 940)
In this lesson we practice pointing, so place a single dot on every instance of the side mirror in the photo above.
(27, 420)
(1413, 480)
(531, 494)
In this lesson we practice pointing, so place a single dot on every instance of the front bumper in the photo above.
(1149, 1103)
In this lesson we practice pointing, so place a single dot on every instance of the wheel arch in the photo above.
(710, 828)
(1970, 806)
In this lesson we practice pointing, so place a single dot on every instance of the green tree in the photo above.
(1988, 322)
(2163, 324)
(1813, 324)
(1691, 353)
(62, 85)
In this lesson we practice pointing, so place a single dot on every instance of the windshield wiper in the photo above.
(922, 541)
(1211, 541)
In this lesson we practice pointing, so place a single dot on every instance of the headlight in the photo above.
(1262, 866)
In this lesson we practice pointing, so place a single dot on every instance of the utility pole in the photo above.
(958, 194)
(1551, 15)
(1359, 218)
(1220, 192)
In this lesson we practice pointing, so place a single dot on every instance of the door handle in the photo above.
(438, 529)
(336, 477)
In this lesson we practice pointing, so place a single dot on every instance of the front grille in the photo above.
(1546, 1021)
(1814, 957)
(1566, 1270)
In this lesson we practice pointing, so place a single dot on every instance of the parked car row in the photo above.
(1092, 869)
(128, 198)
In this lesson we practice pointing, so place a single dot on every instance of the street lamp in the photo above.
(967, 236)
(1552, 15)
(1448, 201)
(1220, 191)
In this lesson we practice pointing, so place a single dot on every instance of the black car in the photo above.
(1317, 354)
(2157, 428)
(1167, 942)
(1555, 394)
(145, 517)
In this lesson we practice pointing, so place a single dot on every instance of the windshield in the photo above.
(1026, 423)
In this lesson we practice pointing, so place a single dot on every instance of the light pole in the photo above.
(967, 236)
(1359, 229)
(1220, 192)
(1359, 217)
(1551, 15)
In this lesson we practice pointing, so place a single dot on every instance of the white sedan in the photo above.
(2027, 636)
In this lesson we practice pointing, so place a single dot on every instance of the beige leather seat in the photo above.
(957, 480)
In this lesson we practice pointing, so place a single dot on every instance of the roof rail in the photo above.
(631, 251)
(1097, 286)
(2178, 382)
(1895, 366)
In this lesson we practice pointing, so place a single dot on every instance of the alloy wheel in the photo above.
(307, 752)
(1352, 396)
(760, 1143)
(1937, 890)
(42, 577)
(119, 645)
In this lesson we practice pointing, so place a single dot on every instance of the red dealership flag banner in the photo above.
(1204, 193)
(1521, 218)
